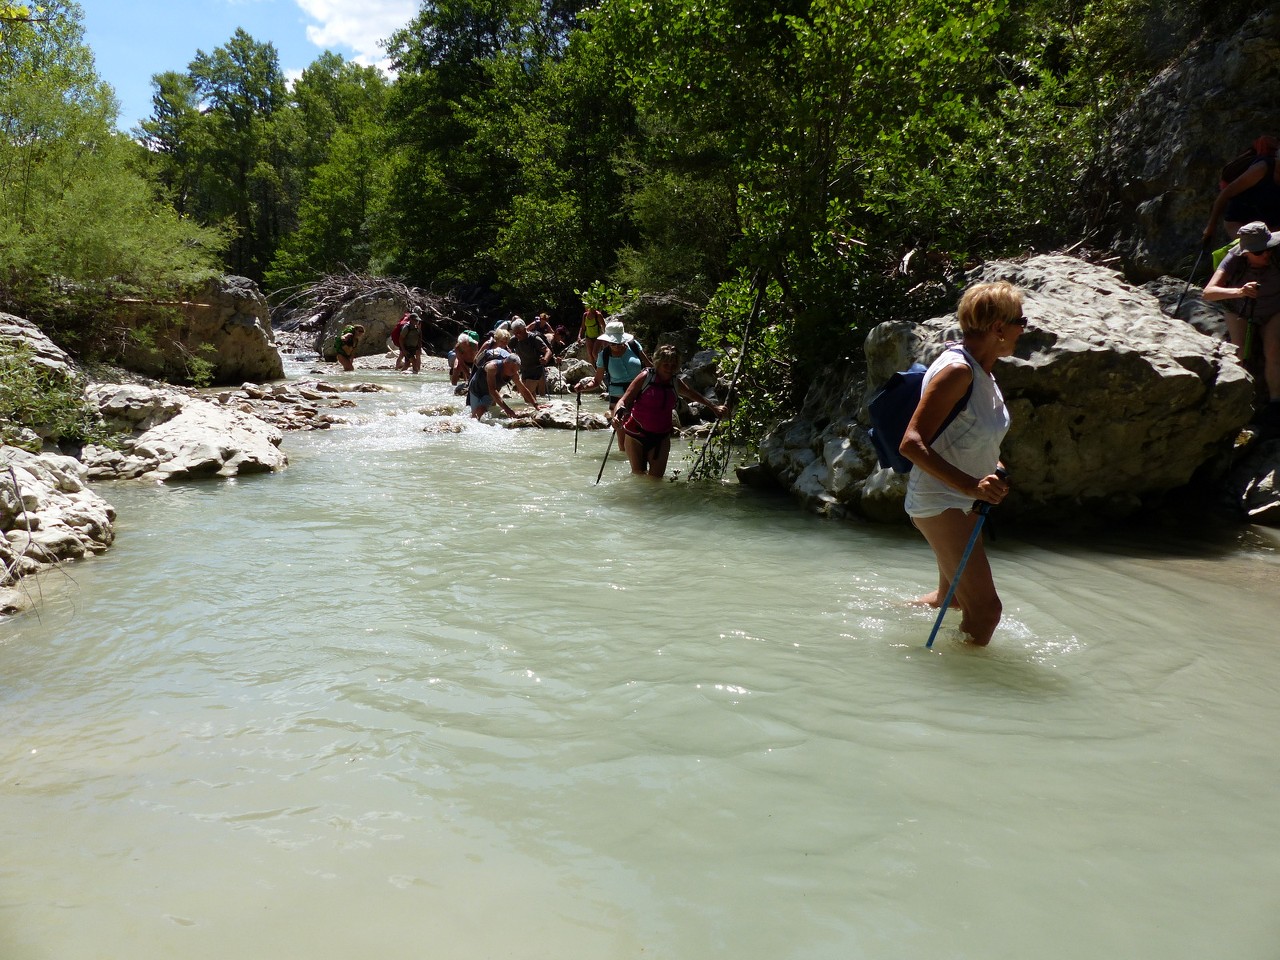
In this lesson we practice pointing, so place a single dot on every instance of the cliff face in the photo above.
(1169, 148)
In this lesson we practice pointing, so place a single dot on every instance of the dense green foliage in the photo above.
(35, 398)
(80, 225)
(535, 150)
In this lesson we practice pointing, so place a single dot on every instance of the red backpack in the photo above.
(399, 329)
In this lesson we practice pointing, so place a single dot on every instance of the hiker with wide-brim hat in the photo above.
(1248, 279)
(620, 361)
(960, 468)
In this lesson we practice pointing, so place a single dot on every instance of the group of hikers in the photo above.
(642, 392)
(952, 440)
(1247, 277)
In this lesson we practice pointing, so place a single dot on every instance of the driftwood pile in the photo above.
(308, 308)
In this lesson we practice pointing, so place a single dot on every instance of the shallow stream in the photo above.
(436, 694)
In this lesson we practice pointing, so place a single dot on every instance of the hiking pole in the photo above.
(1178, 306)
(612, 433)
(577, 422)
(983, 509)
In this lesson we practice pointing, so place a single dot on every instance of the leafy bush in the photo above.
(35, 397)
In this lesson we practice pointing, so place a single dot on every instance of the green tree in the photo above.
(79, 224)
(339, 166)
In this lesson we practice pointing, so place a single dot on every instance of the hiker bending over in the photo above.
(1249, 279)
(411, 345)
(619, 362)
(959, 465)
(494, 370)
(643, 418)
(1253, 195)
(462, 359)
(345, 345)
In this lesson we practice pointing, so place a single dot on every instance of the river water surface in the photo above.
(438, 695)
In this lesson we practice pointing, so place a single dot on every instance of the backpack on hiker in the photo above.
(893, 406)
(1264, 148)
(398, 330)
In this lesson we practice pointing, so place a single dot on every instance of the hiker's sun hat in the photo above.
(1255, 237)
(614, 332)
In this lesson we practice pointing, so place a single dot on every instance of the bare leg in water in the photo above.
(948, 534)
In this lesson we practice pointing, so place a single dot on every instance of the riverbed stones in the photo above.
(167, 435)
(48, 515)
(1113, 402)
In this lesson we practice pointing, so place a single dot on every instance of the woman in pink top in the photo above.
(644, 414)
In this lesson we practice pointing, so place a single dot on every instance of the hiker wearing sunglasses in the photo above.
(1248, 279)
(960, 465)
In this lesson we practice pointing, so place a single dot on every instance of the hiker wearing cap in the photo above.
(590, 330)
(960, 465)
(1253, 195)
(411, 345)
(494, 370)
(620, 361)
(462, 359)
(534, 353)
(1249, 280)
(643, 417)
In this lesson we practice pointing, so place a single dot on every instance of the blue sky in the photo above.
(133, 39)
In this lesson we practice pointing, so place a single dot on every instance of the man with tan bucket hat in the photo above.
(1248, 279)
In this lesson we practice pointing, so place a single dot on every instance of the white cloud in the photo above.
(358, 25)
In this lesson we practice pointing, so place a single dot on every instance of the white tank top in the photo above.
(971, 441)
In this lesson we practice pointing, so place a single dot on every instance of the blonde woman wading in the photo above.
(958, 466)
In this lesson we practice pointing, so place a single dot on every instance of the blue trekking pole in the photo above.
(983, 509)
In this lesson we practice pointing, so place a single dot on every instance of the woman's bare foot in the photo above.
(932, 599)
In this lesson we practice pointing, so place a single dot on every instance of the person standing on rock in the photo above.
(411, 345)
(959, 465)
(1254, 195)
(1249, 278)
(494, 370)
(345, 345)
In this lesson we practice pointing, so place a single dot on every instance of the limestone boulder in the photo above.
(222, 333)
(47, 515)
(178, 436)
(17, 331)
(378, 314)
(1113, 402)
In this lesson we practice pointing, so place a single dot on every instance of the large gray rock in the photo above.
(176, 437)
(1170, 146)
(224, 330)
(1112, 401)
(47, 515)
(46, 353)
(377, 314)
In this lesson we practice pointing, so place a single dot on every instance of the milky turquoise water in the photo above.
(436, 694)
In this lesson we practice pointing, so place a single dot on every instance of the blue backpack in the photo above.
(892, 408)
